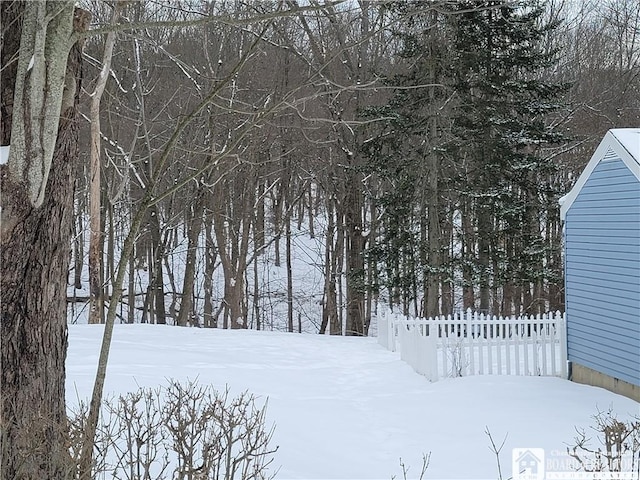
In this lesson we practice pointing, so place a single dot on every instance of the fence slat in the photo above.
(445, 355)
(507, 336)
(468, 322)
(489, 342)
(553, 340)
(534, 336)
(543, 344)
(518, 340)
(498, 342)
(383, 330)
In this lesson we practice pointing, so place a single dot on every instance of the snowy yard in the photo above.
(345, 408)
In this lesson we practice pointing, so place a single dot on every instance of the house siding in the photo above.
(602, 232)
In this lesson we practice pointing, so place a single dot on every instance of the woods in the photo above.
(419, 147)
(425, 144)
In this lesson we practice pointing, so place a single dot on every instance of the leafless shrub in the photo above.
(33, 444)
(117, 435)
(182, 431)
(77, 418)
(617, 446)
(496, 450)
(458, 357)
(139, 448)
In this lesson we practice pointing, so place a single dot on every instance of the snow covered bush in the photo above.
(181, 431)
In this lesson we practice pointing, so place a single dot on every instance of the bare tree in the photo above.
(37, 207)
(340, 49)
(96, 310)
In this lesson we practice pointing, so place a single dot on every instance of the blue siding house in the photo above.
(602, 266)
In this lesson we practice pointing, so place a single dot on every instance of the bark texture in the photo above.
(35, 262)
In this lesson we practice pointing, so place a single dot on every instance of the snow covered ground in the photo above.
(345, 408)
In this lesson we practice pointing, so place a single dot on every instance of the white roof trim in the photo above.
(622, 142)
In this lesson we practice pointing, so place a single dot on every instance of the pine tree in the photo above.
(500, 125)
(468, 121)
(407, 154)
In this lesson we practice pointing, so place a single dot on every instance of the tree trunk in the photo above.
(355, 258)
(312, 233)
(209, 267)
(468, 255)
(338, 254)
(289, 272)
(329, 305)
(96, 310)
(537, 262)
(232, 221)
(508, 290)
(131, 312)
(78, 245)
(35, 262)
(193, 232)
(555, 266)
(447, 275)
(432, 300)
(155, 265)
(256, 294)
(233, 297)
(434, 239)
(484, 229)
(286, 187)
(372, 270)
(277, 220)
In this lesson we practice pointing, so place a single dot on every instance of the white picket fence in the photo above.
(475, 344)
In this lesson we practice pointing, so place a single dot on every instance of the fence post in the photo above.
(562, 328)
(415, 347)
(405, 334)
(383, 330)
(392, 325)
(470, 327)
(428, 354)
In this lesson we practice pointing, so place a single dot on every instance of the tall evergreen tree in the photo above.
(500, 124)
(407, 154)
(461, 154)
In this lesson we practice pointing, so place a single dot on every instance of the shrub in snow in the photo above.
(458, 358)
(615, 449)
(182, 431)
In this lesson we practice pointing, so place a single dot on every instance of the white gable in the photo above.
(623, 143)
